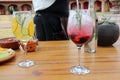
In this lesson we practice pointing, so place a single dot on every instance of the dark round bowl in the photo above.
(107, 34)
(10, 42)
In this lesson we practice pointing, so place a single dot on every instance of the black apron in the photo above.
(48, 21)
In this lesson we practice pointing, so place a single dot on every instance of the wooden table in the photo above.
(55, 58)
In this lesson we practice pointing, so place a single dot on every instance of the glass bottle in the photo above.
(91, 45)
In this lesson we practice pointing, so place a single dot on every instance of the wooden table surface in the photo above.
(55, 58)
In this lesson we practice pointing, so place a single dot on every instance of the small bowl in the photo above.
(10, 42)
(32, 45)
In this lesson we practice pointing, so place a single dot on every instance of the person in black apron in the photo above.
(51, 22)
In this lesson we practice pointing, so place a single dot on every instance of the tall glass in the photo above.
(91, 46)
(80, 29)
(23, 29)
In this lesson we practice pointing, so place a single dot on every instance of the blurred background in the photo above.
(102, 7)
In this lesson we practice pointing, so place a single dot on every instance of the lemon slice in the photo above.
(31, 28)
(16, 28)
(14, 24)
(18, 33)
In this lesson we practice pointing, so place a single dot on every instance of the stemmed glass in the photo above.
(80, 29)
(23, 29)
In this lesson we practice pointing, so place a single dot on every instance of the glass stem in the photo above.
(79, 56)
(25, 52)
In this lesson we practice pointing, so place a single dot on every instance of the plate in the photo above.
(6, 54)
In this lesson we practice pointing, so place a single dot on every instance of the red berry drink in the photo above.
(80, 33)
(80, 29)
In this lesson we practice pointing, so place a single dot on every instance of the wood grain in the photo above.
(55, 58)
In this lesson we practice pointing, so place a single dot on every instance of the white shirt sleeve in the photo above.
(42, 4)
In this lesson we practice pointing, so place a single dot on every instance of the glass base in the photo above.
(90, 51)
(79, 70)
(26, 63)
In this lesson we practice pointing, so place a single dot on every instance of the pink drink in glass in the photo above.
(80, 29)
(80, 34)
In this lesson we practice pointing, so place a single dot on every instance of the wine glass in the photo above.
(23, 29)
(80, 29)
